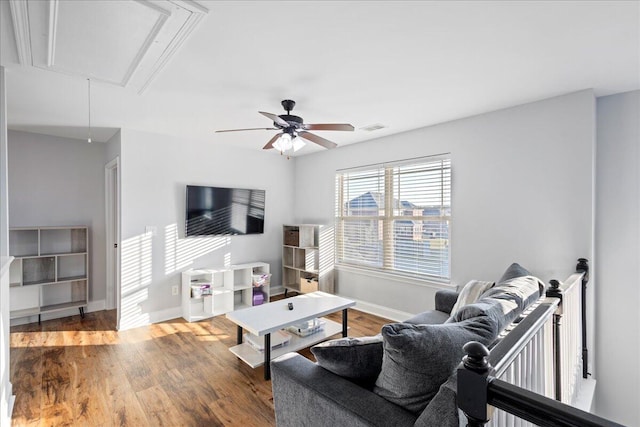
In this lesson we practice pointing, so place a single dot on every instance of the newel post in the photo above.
(474, 375)
(583, 267)
(554, 291)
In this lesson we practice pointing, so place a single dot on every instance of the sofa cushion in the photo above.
(357, 359)
(470, 293)
(443, 410)
(429, 317)
(445, 299)
(419, 358)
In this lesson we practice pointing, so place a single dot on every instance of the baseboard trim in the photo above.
(586, 393)
(98, 305)
(144, 319)
(166, 314)
(8, 399)
(5, 419)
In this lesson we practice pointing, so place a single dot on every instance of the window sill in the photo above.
(396, 277)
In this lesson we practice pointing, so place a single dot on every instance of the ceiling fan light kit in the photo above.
(294, 130)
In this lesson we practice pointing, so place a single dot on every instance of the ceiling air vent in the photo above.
(373, 127)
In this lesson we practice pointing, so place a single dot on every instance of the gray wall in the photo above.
(521, 191)
(617, 283)
(60, 181)
(154, 172)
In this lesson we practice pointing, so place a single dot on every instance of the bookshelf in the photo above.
(50, 270)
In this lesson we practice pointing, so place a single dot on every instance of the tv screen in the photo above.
(215, 211)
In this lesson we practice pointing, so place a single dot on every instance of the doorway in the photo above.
(112, 205)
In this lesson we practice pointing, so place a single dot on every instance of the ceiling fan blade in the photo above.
(329, 126)
(239, 130)
(275, 118)
(271, 141)
(318, 140)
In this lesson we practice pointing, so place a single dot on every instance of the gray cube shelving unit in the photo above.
(307, 258)
(50, 271)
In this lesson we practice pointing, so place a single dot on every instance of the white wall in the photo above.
(618, 254)
(113, 148)
(60, 181)
(155, 170)
(6, 398)
(522, 191)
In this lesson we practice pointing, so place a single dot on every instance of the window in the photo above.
(396, 217)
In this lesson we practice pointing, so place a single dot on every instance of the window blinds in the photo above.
(396, 217)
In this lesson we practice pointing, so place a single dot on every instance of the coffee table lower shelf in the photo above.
(255, 358)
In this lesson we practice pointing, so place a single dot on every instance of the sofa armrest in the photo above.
(445, 300)
(305, 394)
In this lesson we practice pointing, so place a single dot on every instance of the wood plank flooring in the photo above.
(81, 372)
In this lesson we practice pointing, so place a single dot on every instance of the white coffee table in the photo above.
(262, 320)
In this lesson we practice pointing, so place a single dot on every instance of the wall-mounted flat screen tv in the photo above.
(218, 211)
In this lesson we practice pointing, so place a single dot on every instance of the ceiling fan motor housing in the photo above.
(294, 121)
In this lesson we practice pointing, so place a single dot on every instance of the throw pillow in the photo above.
(522, 290)
(470, 294)
(357, 359)
(501, 311)
(513, 271)
(418, 359)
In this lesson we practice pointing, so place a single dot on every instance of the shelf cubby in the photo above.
(24, 242)
(71, 266)
(38, 270)
(52, 262)
(71, 292)
(63, 240)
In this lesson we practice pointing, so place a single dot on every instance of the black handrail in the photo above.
(479, 391)
(539, 409)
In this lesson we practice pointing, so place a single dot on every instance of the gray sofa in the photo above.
(405, 376)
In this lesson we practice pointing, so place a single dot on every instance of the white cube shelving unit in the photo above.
(232, 288)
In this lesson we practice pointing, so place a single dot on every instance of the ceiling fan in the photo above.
(294, 130)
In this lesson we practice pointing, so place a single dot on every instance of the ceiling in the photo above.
(185, 68)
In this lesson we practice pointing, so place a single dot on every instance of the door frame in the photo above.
(112, 219)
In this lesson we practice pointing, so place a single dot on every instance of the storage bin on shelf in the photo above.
(259, 280)
(308, 285)
(292, 238)
(258, 296)
(304, 329)
(200, 289)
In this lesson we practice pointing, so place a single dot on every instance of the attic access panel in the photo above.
(121, 43)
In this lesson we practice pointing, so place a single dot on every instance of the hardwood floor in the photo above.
(81, 372)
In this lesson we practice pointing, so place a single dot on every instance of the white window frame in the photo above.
(389, 173)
